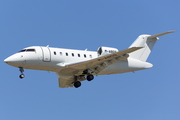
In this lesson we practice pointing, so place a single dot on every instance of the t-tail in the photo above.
(147, 42)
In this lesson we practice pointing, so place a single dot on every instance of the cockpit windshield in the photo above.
(22, 50)
(27, 50)
(30, 50)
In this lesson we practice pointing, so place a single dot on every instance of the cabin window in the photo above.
(73, 54)
(90, 56)
(60, 53)
(78, 55)
(66, 54)
(85, 55)
(54, 53)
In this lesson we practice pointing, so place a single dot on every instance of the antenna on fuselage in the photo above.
(86, 49)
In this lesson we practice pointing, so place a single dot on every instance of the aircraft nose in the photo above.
(14, 60)
(8, 60)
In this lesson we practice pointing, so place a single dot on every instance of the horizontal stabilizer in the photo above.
(161, 34)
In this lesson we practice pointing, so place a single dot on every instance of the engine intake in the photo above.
(102, 51)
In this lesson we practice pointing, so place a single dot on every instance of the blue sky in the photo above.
(152, 94)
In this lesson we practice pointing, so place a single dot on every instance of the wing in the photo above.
(101, 61)
(67, 75)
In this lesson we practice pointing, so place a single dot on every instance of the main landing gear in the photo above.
(21, 70)
(90, 77)
(77, 83)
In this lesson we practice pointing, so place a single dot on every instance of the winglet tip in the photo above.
(171, 31)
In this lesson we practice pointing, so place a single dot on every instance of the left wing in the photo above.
(100, 61)
(67, 75)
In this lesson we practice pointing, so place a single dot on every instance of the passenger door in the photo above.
(46, 54)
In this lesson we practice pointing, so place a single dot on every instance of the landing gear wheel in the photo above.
(21, 76)
(77, 84)
(90, 77)
(21, 70)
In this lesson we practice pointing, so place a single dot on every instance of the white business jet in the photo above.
(74, 66)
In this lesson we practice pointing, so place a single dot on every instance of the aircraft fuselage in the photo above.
(55, 59)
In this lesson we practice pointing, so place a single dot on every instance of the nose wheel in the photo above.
(21, 75)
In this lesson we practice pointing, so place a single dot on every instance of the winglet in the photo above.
(161, 34)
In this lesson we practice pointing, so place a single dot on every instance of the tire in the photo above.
(90, 77)
(77, 84)
(21, 76)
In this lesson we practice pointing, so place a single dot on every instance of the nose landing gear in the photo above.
(21, 70)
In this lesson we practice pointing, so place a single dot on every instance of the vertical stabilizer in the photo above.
(147, 42)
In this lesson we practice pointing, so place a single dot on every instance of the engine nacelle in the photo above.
(102, 51)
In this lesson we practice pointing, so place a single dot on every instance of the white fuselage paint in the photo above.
(55, 59)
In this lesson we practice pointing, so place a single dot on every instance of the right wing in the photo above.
(161, 34)
(65, 81)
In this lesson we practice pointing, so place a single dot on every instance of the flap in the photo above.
(65, 81)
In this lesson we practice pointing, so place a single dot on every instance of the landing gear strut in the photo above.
(89, 74)
(21, 75)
